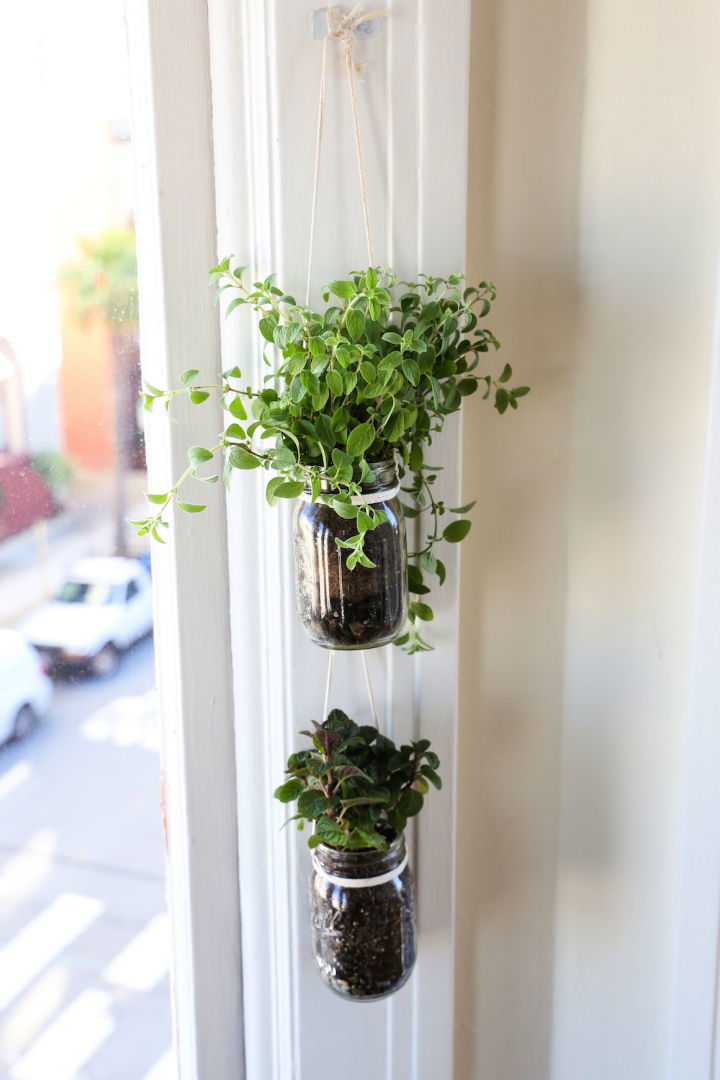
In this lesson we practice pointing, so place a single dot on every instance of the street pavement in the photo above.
(83, 927)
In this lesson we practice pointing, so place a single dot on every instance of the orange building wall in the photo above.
(86, 390)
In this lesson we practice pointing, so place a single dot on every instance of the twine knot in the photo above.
(343, 26)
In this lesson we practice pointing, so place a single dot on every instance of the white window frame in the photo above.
(694, 1042)
(175, 216)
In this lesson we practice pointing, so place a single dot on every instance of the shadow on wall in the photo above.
(527, 75)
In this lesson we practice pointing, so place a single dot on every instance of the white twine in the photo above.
(328, 680)
(342, 27)
(363, 500)
(345, 28)
(359, 883)
(370, 689)
(316, 171)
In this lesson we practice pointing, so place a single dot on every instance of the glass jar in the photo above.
(363, 935)
(363, 607)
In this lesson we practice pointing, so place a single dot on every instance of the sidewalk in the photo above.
(34, 563)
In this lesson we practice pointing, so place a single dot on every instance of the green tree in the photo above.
(104, 280)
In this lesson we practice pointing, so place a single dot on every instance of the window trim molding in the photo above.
(172, 131)
(695, 1021)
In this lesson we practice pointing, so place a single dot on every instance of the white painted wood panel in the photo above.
(179, 329)
(694, 1050)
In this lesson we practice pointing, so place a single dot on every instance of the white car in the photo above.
(25, 689)
(104, 607)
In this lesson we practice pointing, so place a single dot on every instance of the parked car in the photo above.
(25, 689)
(104, 607)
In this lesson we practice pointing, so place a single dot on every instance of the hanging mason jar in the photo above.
(363, 607)
(363, 919)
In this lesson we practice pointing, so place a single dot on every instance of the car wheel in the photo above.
(106, 662)
(25, 722)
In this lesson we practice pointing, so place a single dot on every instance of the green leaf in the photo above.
(267, 325)
(431, 775)
(364, 521)
(520, 391)
(289, 791)
(344, 289)
(237, 409)
(187, 376)
(190, 508)
(155, 498)
(272, 487)
(360, 439)
(416, 457)
(297, 391)
(344, 509)
(234, 431)
(283, 458)
(289, 489)
(325, 431)
(355, 323)
(334, 381)
(416, 584)
(312, 802)
(457, 530)
(410, 803)
(240, 458)
(368, 372)
(418, 610)
(329, 832)
(233, 304)
(411, 371)
(198, 396)
(428, 562)
(463, 509)
(310, 382)
(506, 374)
(198, 454)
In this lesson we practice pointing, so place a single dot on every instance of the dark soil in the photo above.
(341, 608)
(364, 939)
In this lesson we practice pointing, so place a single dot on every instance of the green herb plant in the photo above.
(356, 785)
(371, 377)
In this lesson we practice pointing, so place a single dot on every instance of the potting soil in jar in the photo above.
(363, 937)
(359, 608)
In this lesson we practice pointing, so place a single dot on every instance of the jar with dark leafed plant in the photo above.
(363, 919)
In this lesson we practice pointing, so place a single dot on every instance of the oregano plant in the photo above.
(356, 785)
(372, 376)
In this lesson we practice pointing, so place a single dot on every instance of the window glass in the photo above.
(83, 924)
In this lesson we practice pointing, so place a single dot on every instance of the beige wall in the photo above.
(594, 205)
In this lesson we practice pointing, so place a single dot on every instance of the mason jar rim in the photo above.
(361, 862)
